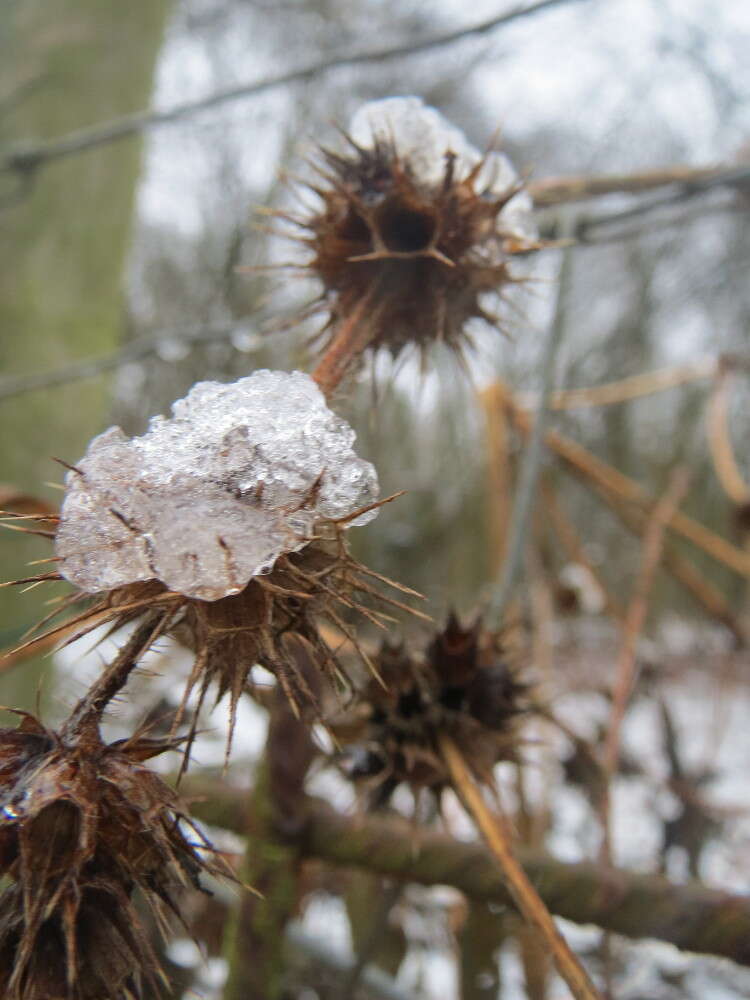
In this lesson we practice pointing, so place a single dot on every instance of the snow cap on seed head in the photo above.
(422, 136)
(211, 497)
(415, 233)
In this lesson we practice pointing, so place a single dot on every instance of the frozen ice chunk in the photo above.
(208, 499)
(422, 137)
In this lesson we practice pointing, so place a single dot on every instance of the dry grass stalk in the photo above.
(635, 620)
(720, 442)
(560, 190)
(633, 387)
(629, 491)
(498, 838)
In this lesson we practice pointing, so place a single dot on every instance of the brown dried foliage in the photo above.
(421, 256)
(84, 826)
(320, 583)
(461, 685)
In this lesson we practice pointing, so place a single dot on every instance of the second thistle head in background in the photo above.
(416, 229)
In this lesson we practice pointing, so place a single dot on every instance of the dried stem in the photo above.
(499, 478)
(634, 386)
(560, 190)
(720, 443)
(523, 501)
(115, 677)
(520, 888)
(635, 619)
(630, 491)
(350, 339)
(681, 569)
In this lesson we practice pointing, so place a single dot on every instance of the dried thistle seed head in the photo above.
(210, 498)
(83, 825)
(228, 524)
(416, 224)
(461, 685)
(274, 617)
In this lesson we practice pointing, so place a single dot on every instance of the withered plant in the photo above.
(225, 528)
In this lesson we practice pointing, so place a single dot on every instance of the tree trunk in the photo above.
(64, 234)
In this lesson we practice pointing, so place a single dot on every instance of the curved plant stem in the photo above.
(525, 495)
(350, 339)
(520, 888)
(115, 677)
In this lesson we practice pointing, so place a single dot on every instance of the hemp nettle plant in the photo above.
(225, 527)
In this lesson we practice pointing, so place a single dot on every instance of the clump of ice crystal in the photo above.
(422, 137)
(210, 498)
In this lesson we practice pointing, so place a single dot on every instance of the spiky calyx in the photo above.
(460, 685)
(83, 827)
(417, 225)
(227, 524)
(267, 623)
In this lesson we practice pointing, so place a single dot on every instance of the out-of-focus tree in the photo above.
(64, 232)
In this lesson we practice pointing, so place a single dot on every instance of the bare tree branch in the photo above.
(588, 225)
(561, 190)
(32, 157)
(135, 350)
(690, 916)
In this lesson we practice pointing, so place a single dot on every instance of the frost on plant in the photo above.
(210, 498)
(422, 138)
(415, 234)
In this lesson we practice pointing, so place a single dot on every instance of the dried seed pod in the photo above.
(461, 685)
(416, 225)
(228, 520)
(84, 826)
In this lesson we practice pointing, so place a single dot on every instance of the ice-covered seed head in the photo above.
(211, 497)
(422, 138)
(416, 230)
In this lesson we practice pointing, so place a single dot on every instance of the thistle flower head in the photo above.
(83, 827)
(461, 685)
(228, 522)
(416, 224)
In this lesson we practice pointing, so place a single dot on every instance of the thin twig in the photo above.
(630, 491)
(136, 350)
(563, 190)
(32, 157)
(586, 224)
(708, 596)
(634, 386)
(635, 619)
(630, 502)
(116, 675)
(600, 235)
(523, 502)
(519, 887)
(720, 442)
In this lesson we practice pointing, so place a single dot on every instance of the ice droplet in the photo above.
(422, 136)
(208, 499)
